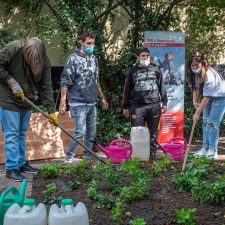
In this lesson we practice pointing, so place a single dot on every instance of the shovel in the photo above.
(44, 114)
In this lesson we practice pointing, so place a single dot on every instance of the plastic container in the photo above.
(139, 137)
(67, 214)
(29, 214)
(6, 201)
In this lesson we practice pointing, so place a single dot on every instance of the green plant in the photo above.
(117, 211)
(138, 221)
(217, 213)
(52, 170)
(75, 185)
(51, 199)
(185, 217)
(106, 202)
(162, 165)
(69, 169)
(51, 188)
(136, 190)
(93, 194)
(191, 177)
(200, 160)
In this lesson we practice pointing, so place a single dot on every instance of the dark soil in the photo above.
(157, 208)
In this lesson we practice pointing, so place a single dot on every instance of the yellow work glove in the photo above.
(17, 91)
(54, 119)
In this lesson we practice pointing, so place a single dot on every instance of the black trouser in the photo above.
(151, 115)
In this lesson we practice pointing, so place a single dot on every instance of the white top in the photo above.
(214, 86)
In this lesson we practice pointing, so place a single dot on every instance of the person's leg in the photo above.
(79, 117)
(213, 124)
(24, 124)
(90, 130)
(205, 145)
(137, 116)
(206, 112)
(10, 126)
(152, 118)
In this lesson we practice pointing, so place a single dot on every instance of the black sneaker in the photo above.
(15, 175)
(26, 168)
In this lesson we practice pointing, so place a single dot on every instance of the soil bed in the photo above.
(156, 208)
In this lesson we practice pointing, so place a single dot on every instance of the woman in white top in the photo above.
(207, 82)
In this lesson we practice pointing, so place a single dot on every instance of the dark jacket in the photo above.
(80, 77)
(144, 85)
(13, 64)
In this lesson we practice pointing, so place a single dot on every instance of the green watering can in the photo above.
(7, 200)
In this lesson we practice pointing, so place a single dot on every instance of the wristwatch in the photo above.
(102, 97)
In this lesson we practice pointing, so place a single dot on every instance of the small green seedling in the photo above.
(185, 217)
(137, 221)
(51, 188)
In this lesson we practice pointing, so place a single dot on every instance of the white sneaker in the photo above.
(211, 154)
(68, 161)
(200, 152)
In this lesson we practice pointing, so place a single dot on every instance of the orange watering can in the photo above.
(116, 152)
(175, 149)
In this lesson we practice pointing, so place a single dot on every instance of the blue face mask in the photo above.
(89, 49)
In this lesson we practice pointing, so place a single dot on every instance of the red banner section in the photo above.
(164, 44)
(171, 125)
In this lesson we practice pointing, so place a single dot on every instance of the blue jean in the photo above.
(84, 117)
(212, 116)
(14, 127)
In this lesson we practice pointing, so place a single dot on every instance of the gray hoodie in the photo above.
(80, 77)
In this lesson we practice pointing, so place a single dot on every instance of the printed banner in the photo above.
(167, 50)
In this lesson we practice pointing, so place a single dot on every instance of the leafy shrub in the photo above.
(52, 170)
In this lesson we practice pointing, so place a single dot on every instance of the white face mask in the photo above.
(145, 62)
(197, 71)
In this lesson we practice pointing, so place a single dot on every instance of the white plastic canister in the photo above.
(29, 214)
(68, 214)
(140, 143)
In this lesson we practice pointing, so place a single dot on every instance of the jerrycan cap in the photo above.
(67, 201)
(29, 202)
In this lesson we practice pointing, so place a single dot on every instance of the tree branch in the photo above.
(109, 9)
(168, 18)
(35, 18)
(164, 14)
(61, 21)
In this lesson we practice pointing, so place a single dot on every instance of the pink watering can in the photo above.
(116, 152)
(175, 149)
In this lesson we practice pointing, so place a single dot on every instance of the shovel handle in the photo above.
(65, 131)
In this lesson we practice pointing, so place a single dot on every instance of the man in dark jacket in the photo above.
(80, 83)
(145, 86)
(24, 67)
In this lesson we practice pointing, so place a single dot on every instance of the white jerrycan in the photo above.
(67, 214)
(139, 137)
(29, 214)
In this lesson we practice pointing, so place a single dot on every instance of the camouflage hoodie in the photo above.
(80, 77)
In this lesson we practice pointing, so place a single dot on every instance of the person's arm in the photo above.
(128, 88)
(67, 79)
(105, 104)
(62, 106)
(196, 95)
(198, 111)
(163, 93)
